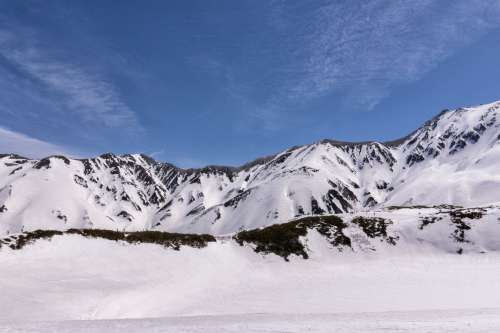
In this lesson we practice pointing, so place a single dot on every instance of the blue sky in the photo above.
(223, 82)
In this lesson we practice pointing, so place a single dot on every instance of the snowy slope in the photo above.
(407, 278)
(452, 159)
(69, 278)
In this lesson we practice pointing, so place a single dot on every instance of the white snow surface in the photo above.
(225, 287)
(452, 159)
(463, 321)
(419, 284)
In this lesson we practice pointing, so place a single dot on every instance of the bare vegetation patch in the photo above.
(443, 206)
(460, 220)
(375, 227)
(284, 239)
(166, 239)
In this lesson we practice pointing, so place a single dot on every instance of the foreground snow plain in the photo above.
(70, 282)
(463, 321)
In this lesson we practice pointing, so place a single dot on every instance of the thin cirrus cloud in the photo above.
(85, 94)
(364, 50)
(21, 144)
(91, 98)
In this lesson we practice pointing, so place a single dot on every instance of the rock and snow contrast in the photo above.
(453, 159)
(392, 231)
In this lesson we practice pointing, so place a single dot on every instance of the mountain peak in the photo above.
(452, 159)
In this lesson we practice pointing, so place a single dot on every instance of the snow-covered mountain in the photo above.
(453, 159)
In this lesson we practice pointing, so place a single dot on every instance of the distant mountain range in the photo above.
(453, 159)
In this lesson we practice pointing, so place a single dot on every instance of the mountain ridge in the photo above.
(394, 142)
(451, 159)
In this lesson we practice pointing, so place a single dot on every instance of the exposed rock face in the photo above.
(452, 159)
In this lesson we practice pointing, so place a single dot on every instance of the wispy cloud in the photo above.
(365, 49)
(89, 96)
(18, 143)
(357, 51)
(157, 154)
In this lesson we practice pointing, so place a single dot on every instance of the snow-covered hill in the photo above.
(452, 159)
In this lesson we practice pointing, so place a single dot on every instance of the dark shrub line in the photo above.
(171, 240)
(283, 239)
(442, 206)
(19, 241)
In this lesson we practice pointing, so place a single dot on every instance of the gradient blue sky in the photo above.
(223, 82)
